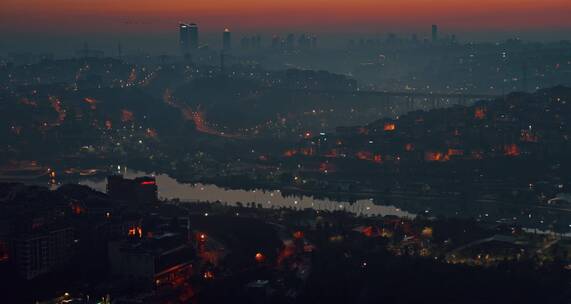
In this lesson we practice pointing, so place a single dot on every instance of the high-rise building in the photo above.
(257, 42)
(303, 42)
(226, 40)
(290, 42)
(43, 251)
(193, 33)
(314, 42)
(434, 33)
(276, 42)
(184, 38)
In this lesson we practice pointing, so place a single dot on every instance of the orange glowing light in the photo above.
(148, 183)
(260, 257)
(208, 275)
(480, 113)
(308, 151)
(298, 235)
(434, 156)
(152, 133)
(92, 102)
(368, 231)
(364, 155)
(136, 231)
(77, 209)
(427, 232)
(332, 153)
(511, 150)
(389, 126)
(290, 153)
(132, 77)
(528, 136)
(127, 116)
(57, 106)
(455, 152)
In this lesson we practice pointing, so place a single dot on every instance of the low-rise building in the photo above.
(157, 260)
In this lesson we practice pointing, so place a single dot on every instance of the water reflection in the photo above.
(169, 188)
(526, 216)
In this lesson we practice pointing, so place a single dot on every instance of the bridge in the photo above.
(410, 98)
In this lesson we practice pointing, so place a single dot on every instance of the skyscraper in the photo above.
(314, 42)
(194, 41)
(184, 38)
(434, 33)
(226, 40)
(257, 42)
(303, 42)
(276, 42)
(290, 42)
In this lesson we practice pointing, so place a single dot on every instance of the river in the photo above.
(534, 218)
(169, 188)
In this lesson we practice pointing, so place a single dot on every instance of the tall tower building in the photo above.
(226, 40)
(193, 35)
(314, 42)
(276, 42)
(257, 41)
(290, 42)
(434, 33)
(184, 38)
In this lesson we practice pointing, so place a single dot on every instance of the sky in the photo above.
(29, 19)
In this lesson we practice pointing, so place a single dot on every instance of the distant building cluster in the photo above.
(189, 40)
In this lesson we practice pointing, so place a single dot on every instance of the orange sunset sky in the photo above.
(79, 16)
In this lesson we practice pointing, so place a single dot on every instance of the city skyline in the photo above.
(132, 16)
(285, 151)
(61, 44)
(147, 25)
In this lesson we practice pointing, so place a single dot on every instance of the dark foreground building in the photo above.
(157, 260)
(141, 190)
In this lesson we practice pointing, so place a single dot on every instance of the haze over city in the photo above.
(285, 152)
(59, 24)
